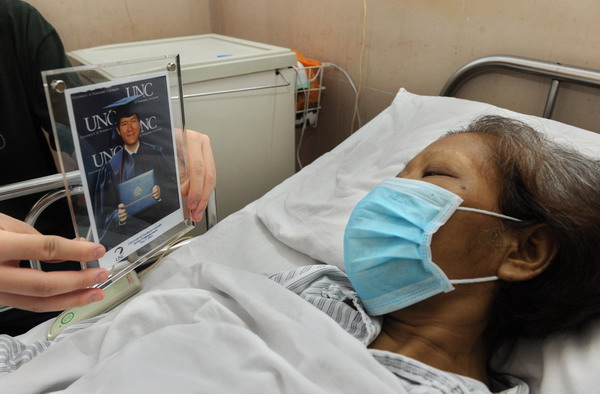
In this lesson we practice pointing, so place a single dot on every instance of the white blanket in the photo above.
(207, 328)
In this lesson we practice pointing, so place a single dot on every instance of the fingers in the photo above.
(16, 226)
(39, 291)
(15, 246)
(202, 173)
(45, 291)
(36, 283)
(122, 213)
(156, 192)
(56, 303)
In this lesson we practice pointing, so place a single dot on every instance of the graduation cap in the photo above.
(124, 107)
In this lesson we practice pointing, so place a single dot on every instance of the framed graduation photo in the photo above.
(125, 143)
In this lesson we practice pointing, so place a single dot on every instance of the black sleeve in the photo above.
(28, 44)
(47, 53)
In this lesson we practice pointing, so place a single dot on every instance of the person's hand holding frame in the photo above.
(40, 291)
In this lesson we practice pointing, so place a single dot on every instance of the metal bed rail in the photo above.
(38, 185)
(557, 72)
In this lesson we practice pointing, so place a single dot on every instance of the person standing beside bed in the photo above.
(28, 46)
(489, 235)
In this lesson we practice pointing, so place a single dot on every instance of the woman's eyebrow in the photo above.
(452, 155)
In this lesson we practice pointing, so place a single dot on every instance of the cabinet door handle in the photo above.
(280, 85)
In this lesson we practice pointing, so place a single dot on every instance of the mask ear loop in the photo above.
(475, 280)
(487, 278)
(499, 215)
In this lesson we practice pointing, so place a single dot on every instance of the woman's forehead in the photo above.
(470, 145)
(462, 150)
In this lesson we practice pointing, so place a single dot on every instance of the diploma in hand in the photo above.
(136, 193)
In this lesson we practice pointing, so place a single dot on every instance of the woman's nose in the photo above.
(408, 175)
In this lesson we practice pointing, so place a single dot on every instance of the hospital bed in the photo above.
(209, 320)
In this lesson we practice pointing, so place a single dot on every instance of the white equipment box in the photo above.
(241, 94)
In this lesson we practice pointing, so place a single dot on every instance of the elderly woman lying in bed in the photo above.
(488, 235)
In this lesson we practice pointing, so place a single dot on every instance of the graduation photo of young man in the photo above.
(124, 135)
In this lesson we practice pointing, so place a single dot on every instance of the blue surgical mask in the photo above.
(387, 244)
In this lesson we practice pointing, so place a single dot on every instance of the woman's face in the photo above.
(469, 245)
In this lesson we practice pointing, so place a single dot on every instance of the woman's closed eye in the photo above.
(437, 172)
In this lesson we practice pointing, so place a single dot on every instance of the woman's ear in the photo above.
(534, 250)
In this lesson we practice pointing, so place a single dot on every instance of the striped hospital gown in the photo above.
(329, 289)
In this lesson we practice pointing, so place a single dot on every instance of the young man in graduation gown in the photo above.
(118, 219)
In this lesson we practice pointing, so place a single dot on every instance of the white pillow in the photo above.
(309, 211)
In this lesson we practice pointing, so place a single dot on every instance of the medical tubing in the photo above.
(360, 65)
(305, 90)
(304, 120)
(351, 82)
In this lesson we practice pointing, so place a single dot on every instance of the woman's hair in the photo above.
(546, 182)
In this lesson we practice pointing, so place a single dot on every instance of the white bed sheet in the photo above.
(201, 325)
(205, 320)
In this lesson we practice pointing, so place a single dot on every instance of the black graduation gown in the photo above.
(106, 199)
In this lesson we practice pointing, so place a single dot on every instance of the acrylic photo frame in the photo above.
(119, 133)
